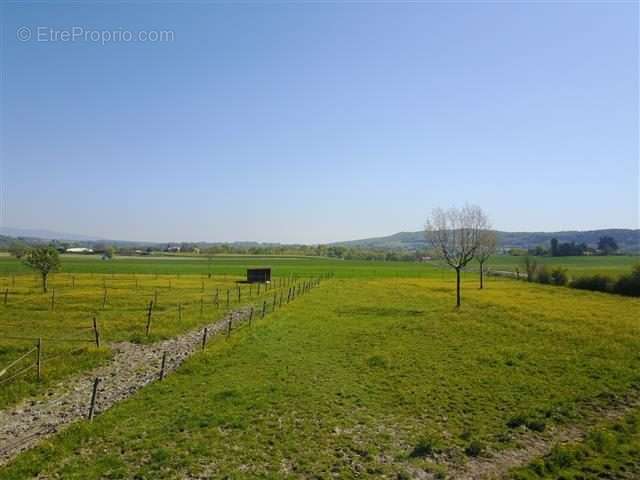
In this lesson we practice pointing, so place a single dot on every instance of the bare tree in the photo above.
(487, 247)
(455, 236)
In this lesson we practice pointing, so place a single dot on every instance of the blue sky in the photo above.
(318, 121)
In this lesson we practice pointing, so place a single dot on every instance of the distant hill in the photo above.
(44, 234)
(628, 240)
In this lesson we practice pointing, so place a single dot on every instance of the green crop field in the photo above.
(374, 374)
(576, 266)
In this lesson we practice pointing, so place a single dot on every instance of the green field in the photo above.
(63, 318)
(613, 266)
(236, 265)
(372, 375)
(226, 264)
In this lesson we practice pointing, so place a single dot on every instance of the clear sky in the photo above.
(317, 121)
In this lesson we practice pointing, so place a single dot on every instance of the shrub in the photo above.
(543, 275)
(559, 276)
(628, 284)
(597, 282)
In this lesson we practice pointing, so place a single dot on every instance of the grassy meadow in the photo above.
(63, 318)
(373, 375)
(612, 265)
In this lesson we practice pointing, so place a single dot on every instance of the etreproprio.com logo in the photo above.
(45, 34)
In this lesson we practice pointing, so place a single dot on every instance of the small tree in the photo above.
(18, 249)
(488, 243)
(45, 260)
(531, 267)
(455, 236)
(607, 245)
(109, 251)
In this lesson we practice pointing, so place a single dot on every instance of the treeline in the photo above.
(606, 246)
(19, 247)
(627, 284)
(330, 251)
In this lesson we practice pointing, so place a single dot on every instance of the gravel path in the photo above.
(131, 368)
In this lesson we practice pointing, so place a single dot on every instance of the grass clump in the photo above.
(532, 423)
(425, 447)
(612, 450)
(475, 448)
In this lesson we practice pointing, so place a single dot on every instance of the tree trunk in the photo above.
(44, 282)
(457, 287)
(481, 275)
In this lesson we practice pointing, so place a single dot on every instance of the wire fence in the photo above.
(259, 300)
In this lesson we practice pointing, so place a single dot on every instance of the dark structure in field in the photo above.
(258, 275)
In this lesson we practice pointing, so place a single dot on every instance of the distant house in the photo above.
(79, 250)
(173, 249)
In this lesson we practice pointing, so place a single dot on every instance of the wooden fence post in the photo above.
(264, 308)
(228, 293)
(201, 305)
(94, 395)
(229, 327)
(239, 295)
(96, 332)
(39, 359)
(273, 307)
(251, 315)
(53, 299)
(204, 337)
(149, 317)
(163, 365)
